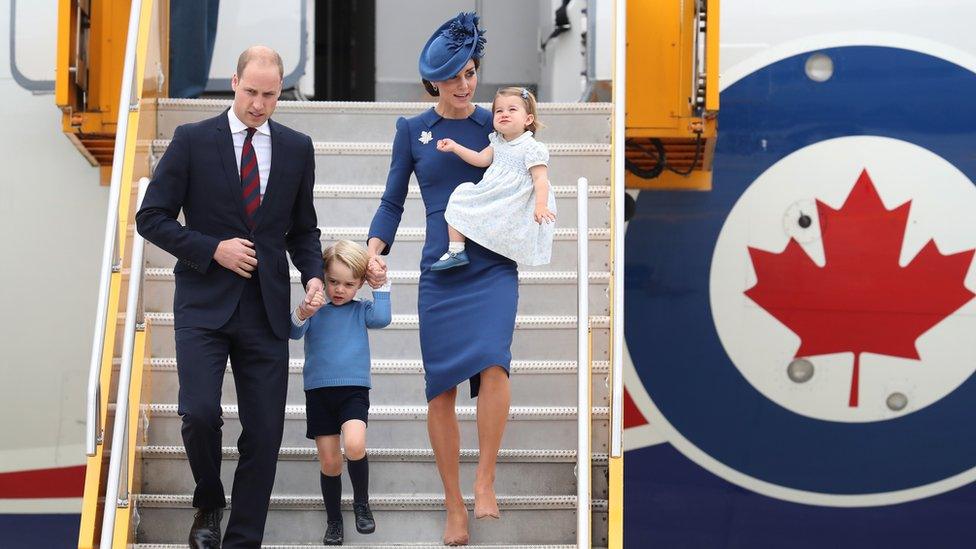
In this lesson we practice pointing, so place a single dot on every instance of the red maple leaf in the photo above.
(861, 301)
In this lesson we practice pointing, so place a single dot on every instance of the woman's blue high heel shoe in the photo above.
(452, 260)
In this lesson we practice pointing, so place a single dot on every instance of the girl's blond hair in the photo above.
(350, 254)
(530, 105)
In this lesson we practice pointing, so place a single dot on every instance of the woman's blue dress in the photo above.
(467, 314)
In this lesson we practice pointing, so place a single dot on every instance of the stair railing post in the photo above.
(617, 238)
(117, 486)
(111, 251)
(583, 383)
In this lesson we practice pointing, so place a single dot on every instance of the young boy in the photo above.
(337, 380)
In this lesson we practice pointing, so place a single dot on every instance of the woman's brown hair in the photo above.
(434, 91)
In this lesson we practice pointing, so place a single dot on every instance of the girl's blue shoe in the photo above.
(453, 260)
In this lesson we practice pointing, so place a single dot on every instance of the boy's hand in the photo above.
(446, 145)
(307, 308)
(542, 214)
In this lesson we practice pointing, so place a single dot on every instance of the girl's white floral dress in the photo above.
(498, 211)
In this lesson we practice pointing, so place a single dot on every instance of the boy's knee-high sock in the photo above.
(331, 494)
(359, 475)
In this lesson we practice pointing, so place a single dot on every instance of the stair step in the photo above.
(350, 205)
(419, 234)
(413, 277)
(363, 546)
(539, 383)
(540, 292)
(369, 163)
(411, 322)
(294, 520)
(362, 121)
(393, 470)
(406, 426)
(401, 339)
(380, 502)
(425, 455)
(376, 191)
(406, 254)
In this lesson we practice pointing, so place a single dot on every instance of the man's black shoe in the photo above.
(364, 518)
(333, 533)
(205, 532)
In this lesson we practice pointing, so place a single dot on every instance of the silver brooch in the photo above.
(425, 137)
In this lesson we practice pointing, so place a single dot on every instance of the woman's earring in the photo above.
(435, 88)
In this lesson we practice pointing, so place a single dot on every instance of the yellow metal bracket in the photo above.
(672, 93)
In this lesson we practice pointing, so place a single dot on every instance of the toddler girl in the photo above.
(511, 210)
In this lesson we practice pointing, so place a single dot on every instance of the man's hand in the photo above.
(376, 272)
(308, 308)
(238, 255)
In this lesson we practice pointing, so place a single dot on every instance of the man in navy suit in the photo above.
(244, 184)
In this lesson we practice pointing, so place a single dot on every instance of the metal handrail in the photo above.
(617, 239)
(117, 486)
(583, 384)
(110, 250)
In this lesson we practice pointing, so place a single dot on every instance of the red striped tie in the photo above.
(250, 178)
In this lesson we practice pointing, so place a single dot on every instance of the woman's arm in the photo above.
(480, 159)
(540, 180)
(376, 268)
(387, 218)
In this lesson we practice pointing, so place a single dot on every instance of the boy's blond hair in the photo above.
(530, 105)
(350, 254)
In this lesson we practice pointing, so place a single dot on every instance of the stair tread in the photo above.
(376, 191)
(370, 545)
(394, 454)
(382, 501)
(411, 322)
(420, 233)
(404, 276)
(367, 107)
(405, 366)
(385, 148)
(408, 412)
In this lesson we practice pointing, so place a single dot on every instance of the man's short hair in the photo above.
(261, 54)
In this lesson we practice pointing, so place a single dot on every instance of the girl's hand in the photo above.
(446, 145)
(542, 214)
(306, 310)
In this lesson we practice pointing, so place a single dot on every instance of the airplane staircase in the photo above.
(536, 483)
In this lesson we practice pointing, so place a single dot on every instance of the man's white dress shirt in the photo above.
(261, 143)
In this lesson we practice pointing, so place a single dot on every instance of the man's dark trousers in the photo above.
(259, 361)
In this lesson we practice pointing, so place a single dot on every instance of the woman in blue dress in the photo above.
(467, 315)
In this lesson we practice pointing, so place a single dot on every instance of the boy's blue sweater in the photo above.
(336, 342)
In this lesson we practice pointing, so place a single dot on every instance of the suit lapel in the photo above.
(225, 148)
(277, 158)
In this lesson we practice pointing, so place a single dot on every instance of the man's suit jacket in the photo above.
(199, 174)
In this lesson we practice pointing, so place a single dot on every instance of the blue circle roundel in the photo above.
(801, 328)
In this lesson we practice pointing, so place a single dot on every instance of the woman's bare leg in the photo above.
(494, 398)
(445, 439)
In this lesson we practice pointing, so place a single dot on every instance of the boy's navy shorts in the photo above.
(327, 408)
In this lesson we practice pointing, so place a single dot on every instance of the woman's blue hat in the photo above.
(451, 46)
